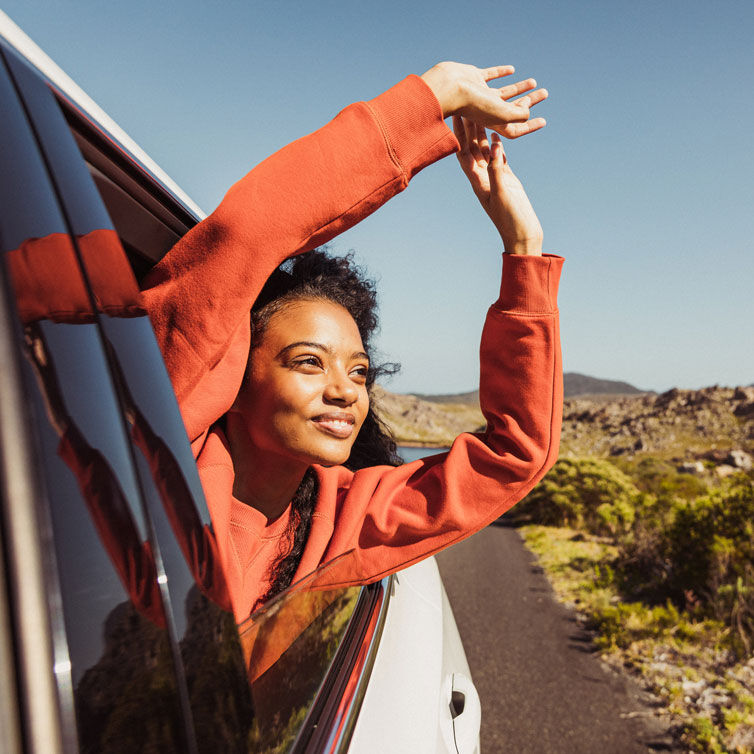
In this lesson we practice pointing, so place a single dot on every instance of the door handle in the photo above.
(466, 711)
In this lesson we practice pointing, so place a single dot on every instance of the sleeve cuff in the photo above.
(530, 284)
(411, 120)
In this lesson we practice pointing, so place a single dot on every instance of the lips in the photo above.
(336, 423)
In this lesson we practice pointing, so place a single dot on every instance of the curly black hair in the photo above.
(319, 276)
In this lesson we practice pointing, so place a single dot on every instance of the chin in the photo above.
(329, 456)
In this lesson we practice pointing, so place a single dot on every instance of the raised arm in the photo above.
(394, 517)
(200, 294)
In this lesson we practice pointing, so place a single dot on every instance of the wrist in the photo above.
(445, 87)
(530, 247)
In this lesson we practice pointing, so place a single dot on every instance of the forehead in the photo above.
(315, 321)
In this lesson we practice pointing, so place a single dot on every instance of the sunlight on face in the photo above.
(305, 396)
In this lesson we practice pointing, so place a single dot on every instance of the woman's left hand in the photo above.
(499, 191)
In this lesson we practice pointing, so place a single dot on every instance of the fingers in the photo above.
(496, 150)
(516, 130)
(459, 130)
(513, 90)
(473, 140)
(532, 98)
(481, 139)
(497, 72)
(497, 164)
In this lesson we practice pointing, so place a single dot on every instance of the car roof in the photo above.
(67, 88)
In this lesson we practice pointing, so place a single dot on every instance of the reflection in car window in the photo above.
(289, 646)
(89, 481)
(111, 440)
(197, 604)
(113, 612)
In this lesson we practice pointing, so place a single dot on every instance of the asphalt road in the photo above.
(542, 688)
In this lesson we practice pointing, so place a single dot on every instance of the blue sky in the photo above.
(643, 178)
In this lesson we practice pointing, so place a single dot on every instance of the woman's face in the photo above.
(305, 396)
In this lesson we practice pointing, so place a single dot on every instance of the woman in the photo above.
(294, 414)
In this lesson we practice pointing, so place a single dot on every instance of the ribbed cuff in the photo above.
(411, 119)
(530, 283)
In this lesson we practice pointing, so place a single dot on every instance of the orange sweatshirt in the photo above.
(199, 297)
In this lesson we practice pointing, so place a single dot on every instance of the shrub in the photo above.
(585, 493)
(700, 558)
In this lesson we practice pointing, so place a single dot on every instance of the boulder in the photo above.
(725, 470)
(740, 459)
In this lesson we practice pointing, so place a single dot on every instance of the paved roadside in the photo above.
(542, 688)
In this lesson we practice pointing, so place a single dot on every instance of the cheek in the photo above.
(275, 400)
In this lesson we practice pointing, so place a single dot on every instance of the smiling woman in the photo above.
(296, 467)
(305, 397)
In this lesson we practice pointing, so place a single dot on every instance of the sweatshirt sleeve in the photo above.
(393, 517)
(199, 296)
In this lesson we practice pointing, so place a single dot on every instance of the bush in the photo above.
(583, 493)
(701, 558)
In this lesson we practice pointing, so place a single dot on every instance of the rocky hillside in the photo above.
(695, 426)
(691, 425)
(414, 421)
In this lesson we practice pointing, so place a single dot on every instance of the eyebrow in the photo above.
(319, 347)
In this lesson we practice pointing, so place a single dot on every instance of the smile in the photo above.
(338, 425)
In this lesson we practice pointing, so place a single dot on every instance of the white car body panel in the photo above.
(419, 654)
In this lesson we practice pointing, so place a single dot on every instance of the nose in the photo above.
(340, 389)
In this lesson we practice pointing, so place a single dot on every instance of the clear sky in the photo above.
(643, 178)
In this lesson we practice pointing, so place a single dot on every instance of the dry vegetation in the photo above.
(646, 527)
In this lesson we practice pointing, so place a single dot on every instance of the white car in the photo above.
(114, 629)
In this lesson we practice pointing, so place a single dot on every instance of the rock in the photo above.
(740, 459)
(744, 410)
(744, 394)
(716, 455)
(711, 700)
(691, 467)
(693, 689)
(725, 470)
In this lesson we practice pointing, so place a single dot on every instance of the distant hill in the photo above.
(681, 424)
(581, 384)
(573, 384)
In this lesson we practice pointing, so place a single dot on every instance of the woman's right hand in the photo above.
(499, 191)
(462, 90)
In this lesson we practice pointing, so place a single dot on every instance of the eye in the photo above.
(360, 372)
(307, 361)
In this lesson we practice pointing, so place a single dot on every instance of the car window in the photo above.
(138, 524)
(197, 606)
(100, 570)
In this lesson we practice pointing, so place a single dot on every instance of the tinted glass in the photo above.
(199, 605)
(247, 695)
(114, 649)
(290, 645)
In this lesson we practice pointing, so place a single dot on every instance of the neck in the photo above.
(265, 481)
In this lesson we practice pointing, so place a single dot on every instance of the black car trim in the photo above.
(10, 741)
(100, 142)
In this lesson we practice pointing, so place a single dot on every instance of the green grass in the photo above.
(674, 654)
